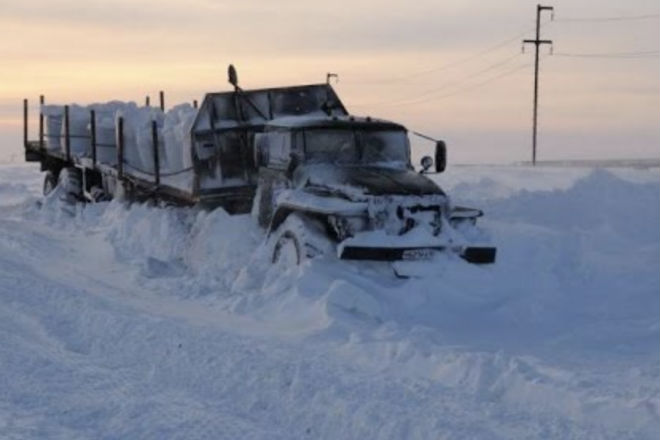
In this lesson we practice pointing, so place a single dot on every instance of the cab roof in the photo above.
(338, 122)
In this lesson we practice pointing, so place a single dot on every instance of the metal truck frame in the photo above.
(318, 180)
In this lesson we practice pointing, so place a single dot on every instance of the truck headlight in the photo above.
(346, 227)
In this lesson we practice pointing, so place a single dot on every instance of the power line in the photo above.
(624, 55)
(445, 86)
(447, 65)
(606, 19)
(493, 66)
(498, 45)
(469, 88)
(425, 96)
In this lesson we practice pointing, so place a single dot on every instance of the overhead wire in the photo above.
(424, 97)
(445, 66)
(468, 88)
(447, 85)
(500, 44)
(623, 55)
(471, 87)
(606, 19)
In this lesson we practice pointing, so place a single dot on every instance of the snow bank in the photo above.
(569, 250)
(21, 187)
(561, 332)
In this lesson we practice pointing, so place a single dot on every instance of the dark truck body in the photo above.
(270, 151)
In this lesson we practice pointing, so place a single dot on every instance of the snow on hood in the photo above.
(369, 180)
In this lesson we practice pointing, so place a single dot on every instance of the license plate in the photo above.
(417, 254)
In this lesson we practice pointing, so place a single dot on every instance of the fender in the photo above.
(304, 202)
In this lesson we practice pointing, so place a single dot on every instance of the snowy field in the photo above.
(122, 322)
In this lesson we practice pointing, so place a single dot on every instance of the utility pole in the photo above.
(537, 42)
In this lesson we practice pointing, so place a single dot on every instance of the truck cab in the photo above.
(346, 185)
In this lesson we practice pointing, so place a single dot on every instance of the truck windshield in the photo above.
(357, 147)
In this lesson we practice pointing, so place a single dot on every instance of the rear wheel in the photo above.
(50, 182)
(70, 184)
(98, 194)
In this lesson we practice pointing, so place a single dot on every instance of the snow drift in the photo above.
(207, 339)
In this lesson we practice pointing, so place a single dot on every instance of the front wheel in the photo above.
(298, 239)
(287, 251)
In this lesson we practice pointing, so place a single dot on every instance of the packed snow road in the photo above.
(141, 322)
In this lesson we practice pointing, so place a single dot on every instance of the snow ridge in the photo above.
(142, 322)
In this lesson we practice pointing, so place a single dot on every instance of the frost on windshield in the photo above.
(331, 146)
(364, 147)
(384, 147)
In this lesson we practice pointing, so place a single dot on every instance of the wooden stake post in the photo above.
(120, 148)
(92, 126)
(67, 134)
(25, 123)
(154, 138)
(41, 122)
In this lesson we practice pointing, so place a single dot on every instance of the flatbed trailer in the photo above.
(239, 114)
(140, 188)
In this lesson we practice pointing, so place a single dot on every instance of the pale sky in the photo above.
(452, 69)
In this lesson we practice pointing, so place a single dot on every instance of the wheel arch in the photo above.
(283, 212)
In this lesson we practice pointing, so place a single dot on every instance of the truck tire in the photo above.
(297, 240)
(50, 182)
(288, 250)
(70, 185)
(98, 194)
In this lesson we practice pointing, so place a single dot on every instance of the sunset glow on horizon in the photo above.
(434, 66)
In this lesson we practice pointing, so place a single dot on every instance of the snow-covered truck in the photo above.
(317, 180)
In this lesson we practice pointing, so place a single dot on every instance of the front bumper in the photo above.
(471, 254)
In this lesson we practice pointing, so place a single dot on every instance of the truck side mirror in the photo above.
(232, 76)
(426, 163)
(440, 156)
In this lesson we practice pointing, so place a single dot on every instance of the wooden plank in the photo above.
(67, 135)
(41, 122)
(92, 126)
(154, 138)
(25, 123)
(120, 148)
